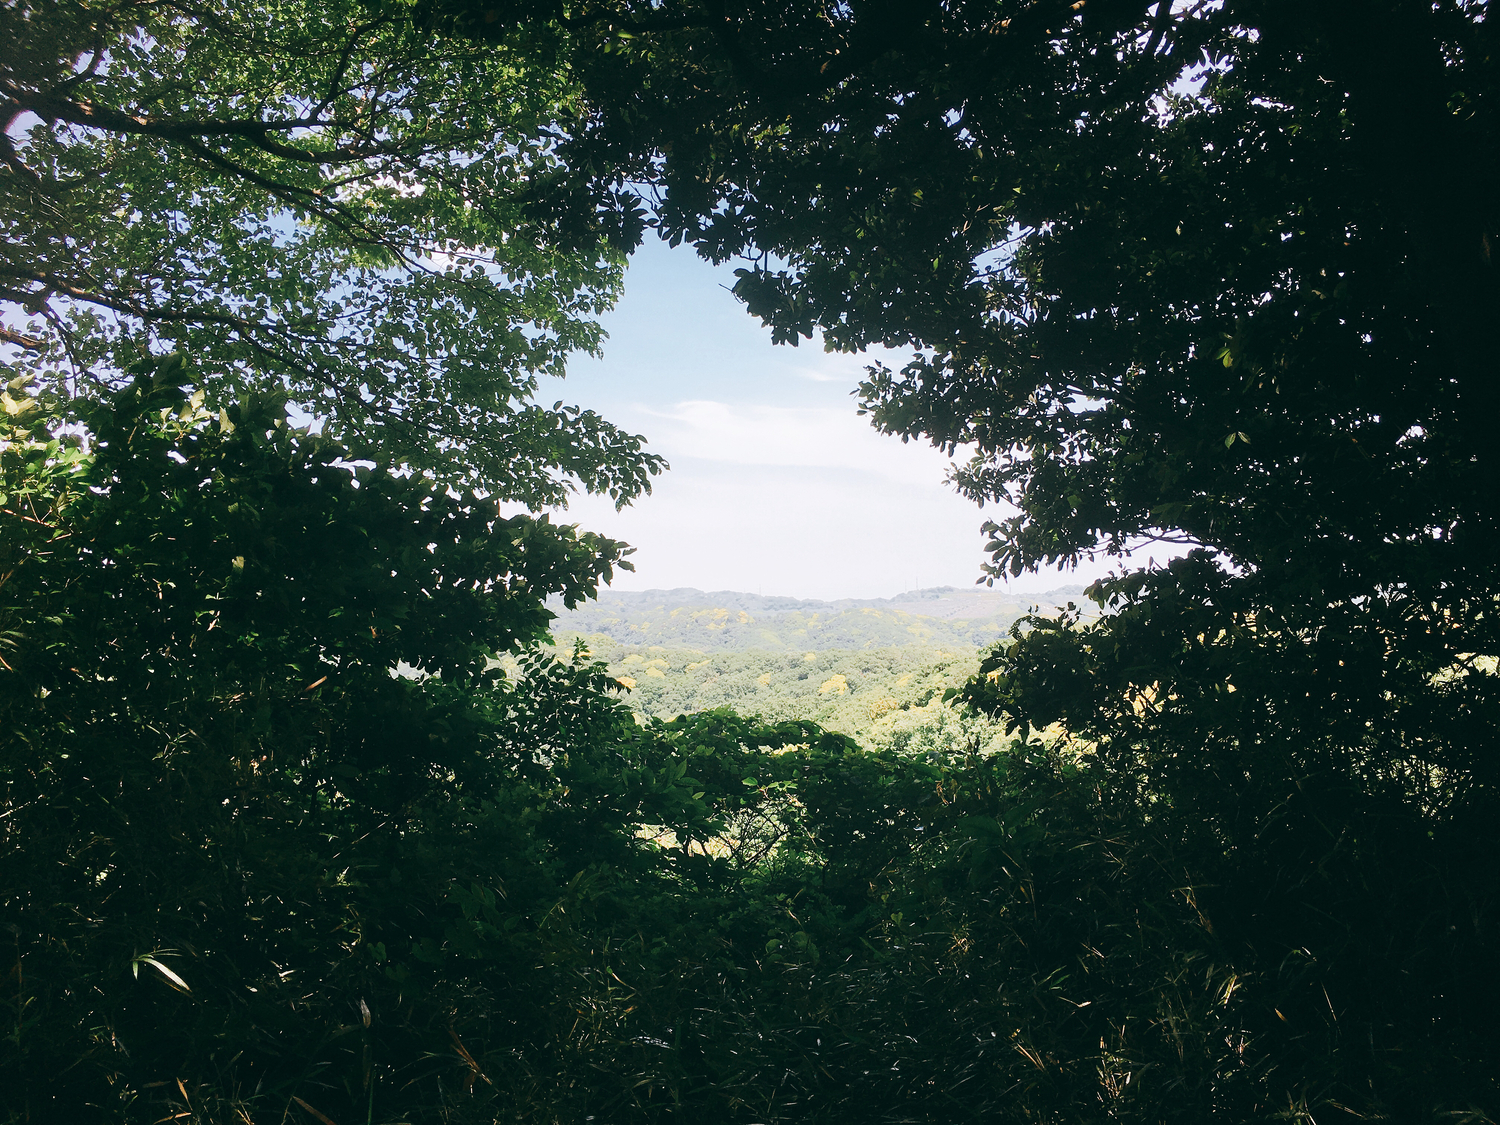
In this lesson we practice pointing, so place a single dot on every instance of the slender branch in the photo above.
(69, 349)
(342, 68)
(88, 72)
(287, 193)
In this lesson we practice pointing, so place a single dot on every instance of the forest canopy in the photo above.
(1216, 272)
(284, 839)
(316, 198)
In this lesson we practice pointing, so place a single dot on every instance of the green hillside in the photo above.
(887, 698)
(727, 621)
(874, 669)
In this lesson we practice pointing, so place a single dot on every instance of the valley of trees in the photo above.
(885, 698)
(882, 671)
(304, 814)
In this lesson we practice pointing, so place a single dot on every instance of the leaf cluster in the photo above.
(317, 199)
(232, 830)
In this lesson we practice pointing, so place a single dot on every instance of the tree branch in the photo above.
(1162, 22)
(30, 343)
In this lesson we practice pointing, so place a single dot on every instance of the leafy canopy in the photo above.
(249, 872)
(316, 197)
(1219, 273)
(228, 823)
(1216, 274)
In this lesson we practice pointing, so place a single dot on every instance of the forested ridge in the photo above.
(729, 622)
(308, 814)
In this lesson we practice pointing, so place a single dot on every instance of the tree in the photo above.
(318, 198)
(1219, 275)
(249, 871)
(211, 774)
(1174, 270)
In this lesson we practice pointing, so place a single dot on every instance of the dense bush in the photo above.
(243, 859)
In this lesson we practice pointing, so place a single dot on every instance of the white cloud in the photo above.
(803, 531)
(807, 501)
(824, 374)
(776, 483)
(801, 436)
(841, 367)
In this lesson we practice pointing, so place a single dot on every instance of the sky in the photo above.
(777, 485)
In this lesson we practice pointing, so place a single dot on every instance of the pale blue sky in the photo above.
(776, 483)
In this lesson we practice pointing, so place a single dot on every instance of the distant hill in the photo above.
(730, 621)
